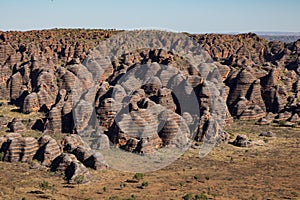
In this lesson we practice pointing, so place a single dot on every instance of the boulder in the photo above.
(242, 141)
(71, 142)
(73, 170)
(295, 118)
(267, 134)
(77, 173)
(96, 161)
(82, 153)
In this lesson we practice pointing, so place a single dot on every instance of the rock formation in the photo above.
(40, 75)
(138, 110)
(48, 150)
(17, 148)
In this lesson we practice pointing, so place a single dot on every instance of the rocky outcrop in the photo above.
(48, 150)
(96, 161)
(267, 134)
(272, 65)
(54, 122)
(16, 125)
(137, 130)
(17, 148)
(262, 77)
(75, 145)
(241, 141)
(71, 168)
(31, 103)
(57, 73)
(70, 143)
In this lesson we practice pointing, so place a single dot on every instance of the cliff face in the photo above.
(39, 68)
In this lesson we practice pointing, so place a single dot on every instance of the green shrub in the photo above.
(79, 179)
(282, 123)
(266, 140)
(44, 185)
(133, 197)
(122, 185)
(188, 196)
(145, 184)
(197, 177)
(114, 198)
(138, 176)
(295, 194)
(201, 197)
(181, 184)
(1, 156)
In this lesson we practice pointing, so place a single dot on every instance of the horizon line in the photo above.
(156, 28)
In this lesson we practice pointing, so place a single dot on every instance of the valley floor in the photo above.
(271, 171)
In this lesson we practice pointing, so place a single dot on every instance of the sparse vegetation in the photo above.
(235, 51)
(282, 123)
(144, 184)
(201, 197)
(104, 189)
(45, 185)
(138, 176)
(122, 185)
(181, 184)
(132, 197)
(266, 140)
(115, 197)
(176, 180)
(1, 156)
(295, 194)
(190, 196)
(196, 177)
(79, 179)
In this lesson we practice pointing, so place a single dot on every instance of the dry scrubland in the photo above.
(228, 172)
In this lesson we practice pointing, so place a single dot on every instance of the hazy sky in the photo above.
(194, 16)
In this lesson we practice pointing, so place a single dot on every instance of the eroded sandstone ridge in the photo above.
(263, 76)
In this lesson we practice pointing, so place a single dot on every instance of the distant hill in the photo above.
(286, 37)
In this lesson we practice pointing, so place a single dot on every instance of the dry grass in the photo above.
(266, 172)
(8, 112)
(13, 111)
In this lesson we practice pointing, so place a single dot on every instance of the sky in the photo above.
(194, 16)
